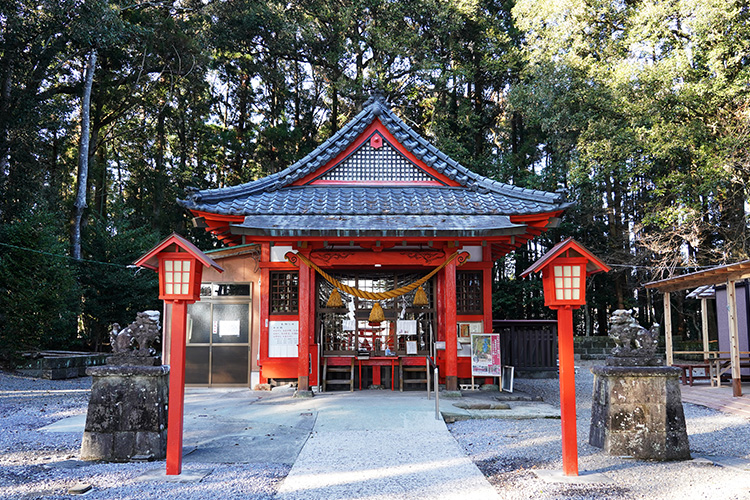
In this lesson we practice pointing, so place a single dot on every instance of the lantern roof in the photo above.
(175, 243)
(568, 248)
(375, 177)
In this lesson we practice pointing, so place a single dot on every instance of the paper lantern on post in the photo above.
(564, 270)
(180, 266)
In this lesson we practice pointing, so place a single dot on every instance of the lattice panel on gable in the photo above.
(382, 164)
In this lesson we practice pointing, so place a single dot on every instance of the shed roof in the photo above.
(713, 276)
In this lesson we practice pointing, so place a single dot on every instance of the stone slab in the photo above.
(75, 423)
(160, 476)
(739, 464)
(520, 411)
(68, 464)
(79, 489)
(557, 476)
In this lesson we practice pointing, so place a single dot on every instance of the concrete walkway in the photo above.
(381, 445)
(343, 445)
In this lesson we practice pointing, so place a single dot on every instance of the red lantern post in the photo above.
(564, 270)
(180, 266)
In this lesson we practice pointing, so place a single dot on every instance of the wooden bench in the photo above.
(688, 375)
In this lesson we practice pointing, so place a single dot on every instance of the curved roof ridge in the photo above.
(453, 169)
(316, 158)
(423, 149)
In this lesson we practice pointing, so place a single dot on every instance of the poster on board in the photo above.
(485, 355)
(283, 337)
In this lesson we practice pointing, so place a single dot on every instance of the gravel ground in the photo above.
(37, 464)
(508, 451)
(44, 465)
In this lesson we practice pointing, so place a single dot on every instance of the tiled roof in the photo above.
(274, 195)
(378, 225)
(301, 200)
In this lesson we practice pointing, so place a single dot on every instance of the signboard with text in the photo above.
(485, 355)
(283, 337)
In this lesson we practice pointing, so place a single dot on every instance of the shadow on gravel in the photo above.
(503, 473)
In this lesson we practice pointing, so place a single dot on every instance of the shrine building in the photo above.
(356, 263)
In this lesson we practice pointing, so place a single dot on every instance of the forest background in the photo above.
(109, 109)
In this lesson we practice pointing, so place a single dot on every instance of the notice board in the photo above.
(283, 337)
(485, 355)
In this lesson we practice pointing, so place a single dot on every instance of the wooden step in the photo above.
(419, 370)
(338, 368)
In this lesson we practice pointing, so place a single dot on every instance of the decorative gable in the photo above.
(376, 161)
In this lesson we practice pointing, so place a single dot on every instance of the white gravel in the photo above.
(36, 464)
(44, 465)
(508, 451)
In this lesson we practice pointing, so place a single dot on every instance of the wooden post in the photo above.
(176, 387)
(704, 327)
(451, 335)
(668, 328)
(734, 350)
(303, 349)
(567, 391)
(265, 307)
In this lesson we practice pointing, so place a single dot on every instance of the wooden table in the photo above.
(376, 362)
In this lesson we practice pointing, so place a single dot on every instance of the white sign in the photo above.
(283, 337)
(229, 328)
(348, 325)
(406, 327)
(411, 347)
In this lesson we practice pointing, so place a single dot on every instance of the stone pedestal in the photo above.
(637, 412)
(127, 414)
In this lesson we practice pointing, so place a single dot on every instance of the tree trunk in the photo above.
(83, 157)
(334, 110)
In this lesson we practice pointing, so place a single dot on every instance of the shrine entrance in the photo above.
(346, 331)
(361, 354)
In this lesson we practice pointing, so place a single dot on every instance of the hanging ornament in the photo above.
(376, 315)
(420, 298)
(334, 300)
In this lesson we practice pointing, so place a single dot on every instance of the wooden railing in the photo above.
(528, 345)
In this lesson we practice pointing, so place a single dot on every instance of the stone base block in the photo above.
(637, 412)
(127, 414)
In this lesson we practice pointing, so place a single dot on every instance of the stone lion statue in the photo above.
(631, 339)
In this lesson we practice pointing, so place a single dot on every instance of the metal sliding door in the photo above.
(218, 339)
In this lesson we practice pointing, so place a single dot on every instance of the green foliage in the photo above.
(113, 291)
(39, 295)
(638, 109)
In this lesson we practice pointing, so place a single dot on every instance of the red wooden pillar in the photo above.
(265, 308)
(176, 387)
(567, 391)
(305, 323)
(487, 295)
(487, 288)
(451, 336)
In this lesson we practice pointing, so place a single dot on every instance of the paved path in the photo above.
(343, 445)
(718, 398)
(381, 445)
